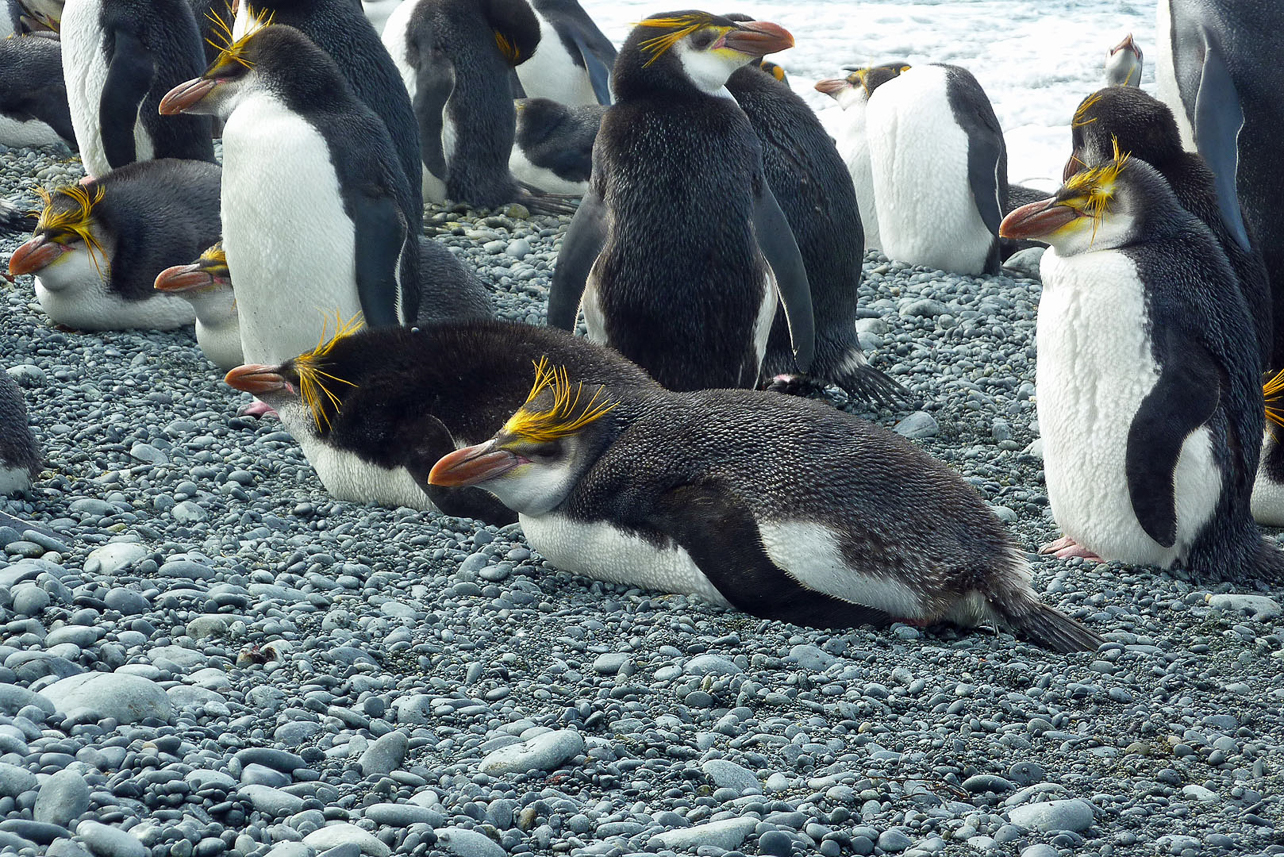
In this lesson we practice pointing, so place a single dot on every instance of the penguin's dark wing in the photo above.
(129, 75)
(776, 241)
(1182, 400)
(1217, 122)
(433, 85)
(380, 236)
(722, 538)
(597, 66)
(580, 248)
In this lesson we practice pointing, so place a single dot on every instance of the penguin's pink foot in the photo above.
(1067, 548)
(258, 409)
(85, 180)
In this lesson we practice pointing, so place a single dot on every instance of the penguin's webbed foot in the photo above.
(258, 410)
(1067, 548)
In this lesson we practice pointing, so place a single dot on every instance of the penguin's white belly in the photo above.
(85, 74)
(853, 144)
(13, 480)
(541, 177)
(918, 157)
(604, 552)
(221, 342)
(1094, 369)
(17, 133)
(71, 292)
(289, 242)
(378, 11)
(591, 304)
(552, 73)
(1268, 495)
(432, 187)
(346, 477)
(1166, 75)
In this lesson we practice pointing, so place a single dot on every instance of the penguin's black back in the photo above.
(340, 29)
(18, 446)
(448, 288)
(558, 137)
(169, 31)
(31, 84)
(161, 213)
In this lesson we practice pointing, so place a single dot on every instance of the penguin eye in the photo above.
(702, 39)
(544, 452)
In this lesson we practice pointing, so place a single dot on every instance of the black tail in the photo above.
(543, 202)
(14, 219)
(1050, 628)
(1267, 564)
(872, 385)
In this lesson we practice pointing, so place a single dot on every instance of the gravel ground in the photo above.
(204, 654)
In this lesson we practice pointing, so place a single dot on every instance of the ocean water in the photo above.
(1036, 59)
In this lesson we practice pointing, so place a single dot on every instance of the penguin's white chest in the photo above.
(17, 133)
(1166, 75)
(346, 477)
(218, 330)
(919, 165)
(1095, 367)
(84, 65)
(1268, 495)
(290, 244)
(552, 73)
(394, 37)
(73, 292)
(853, 144)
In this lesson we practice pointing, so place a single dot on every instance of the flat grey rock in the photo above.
(468, 843)
(63, 798)
(542, 753)
(729, 775)
(103, 840)
(726, 834)
(15, 780)
(385, 755)
(1073, 814)
(114, 558)
(14, 698)
(127, 698)
(335, 835)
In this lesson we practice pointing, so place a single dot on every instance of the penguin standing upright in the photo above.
(553, 147)
(207, 285)
(374, 409)
(98, 247)
(940, 170)
(809, 180)
(19, 449)
(1123, 64)
(782, 507)
(1150, 408)
(119, 57)
(852, 94)
(33, 99)
(340, 29)
(317, 212)
(454, 57)
(679, 250)
(572, 62)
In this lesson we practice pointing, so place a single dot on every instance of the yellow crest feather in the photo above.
(74, 220)
(508, 49)
(1081, 111)
(230, 48)
(1273, 391)
(682, 27)
(566, 417)
(1097, 185)
(312, 379)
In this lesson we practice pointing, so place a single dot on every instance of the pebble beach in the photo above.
(203, 654)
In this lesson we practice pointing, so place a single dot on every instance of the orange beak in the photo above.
(757, 38)
(1037, 219)
(38, 253)
(186, 95)
(472, 465)
(257, 379)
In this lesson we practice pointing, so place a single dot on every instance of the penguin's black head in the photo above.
(66, 225)
(858, 86)
(1140, 124)
(1123, 64)
(534, 461)
(681, 51)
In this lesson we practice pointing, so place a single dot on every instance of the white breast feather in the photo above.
(85, 74)
(1166, 75)
(552, 73)
(541, 177)
(72, 292)
(1268, 495)
(853, 144)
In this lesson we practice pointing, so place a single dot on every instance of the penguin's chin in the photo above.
(190, 97)
(1037, 220)
(37, 254)
(473, 465)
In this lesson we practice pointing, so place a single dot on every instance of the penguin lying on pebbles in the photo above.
(373, 410)
(207, 285)
(809, 180)
(1123, 64)
(119, 58)
(98, 247)
(33, 99)
(1150, 408)
(679, 251)
(553, 146)
(782, 507)
(19, 449)
(572, 62)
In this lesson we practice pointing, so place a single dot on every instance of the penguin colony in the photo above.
(631, 456)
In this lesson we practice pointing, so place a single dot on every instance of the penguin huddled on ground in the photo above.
(1123, 64)
(19, 449)
(373, 410)
(1149, 406)
(33, 99)
(553, 146)
(119, 57)
(37, 17)
(207, 285)
(455, 57)
(572, 62)
(782, 507)
(98, 247)
(317, 212)
(679, 252)
(810, 181)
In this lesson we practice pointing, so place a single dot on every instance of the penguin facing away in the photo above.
(810, 181)
(455, 57)
(782, 507)
(374, 409)
(119, 58)
(98, 247)
(572, 62)
(316, 208)
(679, 251)
(1149, 405)
(19, 449)
(1123, 64)
(553, 146)
(33, 98)
(207, 285)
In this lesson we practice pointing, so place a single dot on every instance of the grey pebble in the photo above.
(1071, 814)
(63, 798)
(729, 775)
(335, 835)
(468, 843)
(385, 755)
(110, 560)
(104, 840)
(544, 752)
(14, 780)
(401, 814)
(272, 801)
(917, 425)
(725, 834)
(127, 698)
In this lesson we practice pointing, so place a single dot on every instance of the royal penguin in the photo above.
(119, 57)
(572, 62)
(33, 99)
(19, 450)
(455, 57)
(1150, 408)
(810, 181)
(679, 252)
(98, 247)
(852, 94)
(1123, 64)
(317, 213)
(553, 146)
(207, 285)
(340, 28)
(374, 409)
(781, 507)
(940, 170)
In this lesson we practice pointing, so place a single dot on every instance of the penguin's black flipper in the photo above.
(983, 156)
(775, 239)
(584, 240)
(1182, 400)
(380, 236)
(599, 71)
(433, 86)
(722, 537)
(129, 76)
(1218, 120)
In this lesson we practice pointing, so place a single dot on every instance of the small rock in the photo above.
(340, 834)
(273, 802)
(401, 814)
(111, 559)
(710, 665)
(1258, 607)
(894, 840)
(1073, 814)
(468, 843)
(127, 698)
(917, 425)
(542, 753)
(14, 780)
(726, 774)
(63, 798)
(105, 841)
(385, 755)
(726, 834)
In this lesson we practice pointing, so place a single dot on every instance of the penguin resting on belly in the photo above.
(779, 506)
(1149, 405)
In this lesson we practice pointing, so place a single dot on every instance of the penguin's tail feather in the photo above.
(544, 202)
(1048, 627)
(15, 219)
(1267, 563)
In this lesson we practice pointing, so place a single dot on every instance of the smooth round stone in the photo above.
(810, 657)
(1201, 794)
(105, 841)
(189, 512)
(77, 635)
(126, 698)
(208, 626)
(39, 832)
(1040, 850)
(29, 599)
(291, 849)
(468, 843)
(185, 697)
(14, 780)
(272, 801)
(726, 834)
(277, 760)
(979, 783)
(610, 663)
(729, 775)
(776, 844)
(128, 601)
(1258, 607)
(542, 753)
(262, 775)
(63, 798)
(1073, 814)
(296, 732)
(14, 698)
(1025, 773)
(385, 755)
(710, 665)
(342, 834)
(111, 559)
(894, 840)
(917, 425)
(401, 814)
